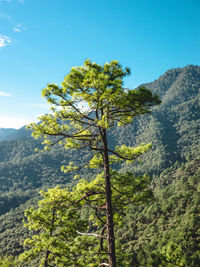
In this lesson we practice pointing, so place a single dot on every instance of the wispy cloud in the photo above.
(4, 94)
(4, 40)
(19, 28)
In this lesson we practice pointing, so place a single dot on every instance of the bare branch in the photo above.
(101, 239)
(71, 136)
(91, 234)
(98, 217)
(88, 194)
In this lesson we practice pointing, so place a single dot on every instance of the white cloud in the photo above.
(19, 28)
(4, 40)
(13, 122)
(4, 94)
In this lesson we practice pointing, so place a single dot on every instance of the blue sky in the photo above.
(40, 40)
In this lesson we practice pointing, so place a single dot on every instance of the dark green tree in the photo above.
(91, 100)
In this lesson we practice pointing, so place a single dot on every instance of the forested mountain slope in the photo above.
(13, 134)
(173, 128)
(5, 133)
(165, 232)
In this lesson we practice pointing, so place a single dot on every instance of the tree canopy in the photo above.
(90, 101)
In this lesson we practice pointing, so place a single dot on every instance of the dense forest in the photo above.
(162, 232)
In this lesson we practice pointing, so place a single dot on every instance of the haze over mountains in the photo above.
(173, 128)
(6, 132)
(14, 134)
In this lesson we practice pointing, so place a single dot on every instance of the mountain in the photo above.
(14, 134)
(165, 232)
(5, 133)
(173, 128)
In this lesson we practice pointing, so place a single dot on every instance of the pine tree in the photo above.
(88, 103)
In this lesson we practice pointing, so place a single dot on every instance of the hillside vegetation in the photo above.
(166, 232)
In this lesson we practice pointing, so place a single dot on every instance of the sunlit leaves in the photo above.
(108, 104)
(69, 168)
(55, 224)
(58, 221)
(131, 153)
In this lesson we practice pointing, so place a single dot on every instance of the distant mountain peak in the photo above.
(14, 134)
(5, 132)
(173, 79)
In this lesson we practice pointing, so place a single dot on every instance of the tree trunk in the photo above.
(109, 212)
(46, 258)
(50, 233)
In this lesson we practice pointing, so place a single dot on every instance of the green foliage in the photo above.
(166, 232)
(100, 89)
(173, 130)
(8, 261)
(173, 127)
(109, 104)
(58, 222)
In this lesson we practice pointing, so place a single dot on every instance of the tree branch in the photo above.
(91, 234)
(96, 213)
(101, 239)
(76, 109)
(122, 157)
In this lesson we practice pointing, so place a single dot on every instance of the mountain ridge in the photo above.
(7, 134)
